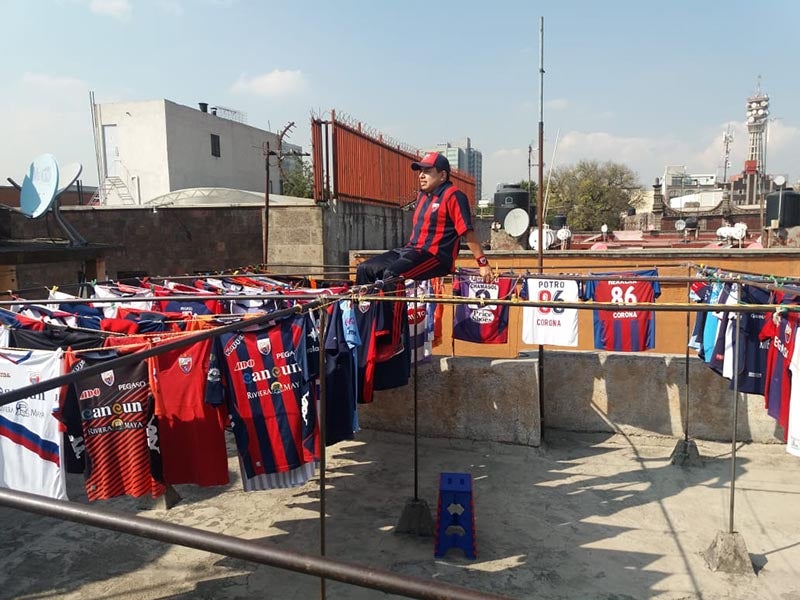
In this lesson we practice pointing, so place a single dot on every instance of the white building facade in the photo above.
(148, 149)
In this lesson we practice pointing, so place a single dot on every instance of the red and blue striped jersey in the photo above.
(777, 384)
(263, 378)
(621, 329)
(440, 218)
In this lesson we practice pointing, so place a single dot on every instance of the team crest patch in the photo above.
(34, 378)
(107, 377)
(434, 207)
(185, 363)
(264, 345)
(788, 332)
(363, 306)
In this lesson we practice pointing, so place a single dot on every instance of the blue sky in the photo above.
(643, 83)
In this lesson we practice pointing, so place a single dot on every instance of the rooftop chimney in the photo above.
(203, 107)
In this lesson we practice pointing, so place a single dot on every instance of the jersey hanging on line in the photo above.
(110, 422)
(481, 322)
(191, 431)
(30, 439)
(620, 329)
(263, 378)
(546, 324)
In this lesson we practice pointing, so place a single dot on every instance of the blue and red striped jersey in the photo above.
(263, 378)
(777, 384)
(621, 329)
(440, 218)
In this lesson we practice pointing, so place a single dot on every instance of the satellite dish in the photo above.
(516, 222)
(549, 238)
(738, 231)
(68, 175)
(604, 228)
(39, 186)
(680, 225)
(563, 234)
(780, 180)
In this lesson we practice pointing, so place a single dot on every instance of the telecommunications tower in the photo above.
(754, 165)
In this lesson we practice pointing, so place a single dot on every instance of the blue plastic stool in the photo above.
(455, 515)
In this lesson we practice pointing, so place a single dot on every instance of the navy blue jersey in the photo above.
(482, 322)
(341, 371)
(752, 350)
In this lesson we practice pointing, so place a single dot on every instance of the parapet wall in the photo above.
(635, 394)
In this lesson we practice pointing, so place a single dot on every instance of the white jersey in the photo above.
(31, 457)
(548, 325)
(793, 430)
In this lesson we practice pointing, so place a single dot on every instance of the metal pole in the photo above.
(416, 412)
(253, 551)
(735, 420)
(540, 210)
(686, 372)
(323, 314)
(265, 228)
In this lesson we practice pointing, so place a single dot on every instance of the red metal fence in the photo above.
(355, 165)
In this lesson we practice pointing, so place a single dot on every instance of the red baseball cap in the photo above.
(432, 159)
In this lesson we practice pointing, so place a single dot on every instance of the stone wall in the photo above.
(634, 394)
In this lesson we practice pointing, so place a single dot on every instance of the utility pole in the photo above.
(265, 221)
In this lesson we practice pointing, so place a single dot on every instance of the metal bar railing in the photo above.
(256, 552)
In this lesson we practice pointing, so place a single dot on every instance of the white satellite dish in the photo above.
(563, 234)
(549, 239)
(516, 222)
(68, 175)
(738, 232)
(39, 186)
(780, 180)
(604, 228)
(680, 225)
(724, 232)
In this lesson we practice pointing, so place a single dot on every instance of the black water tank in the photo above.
(691, 222)
(507, 198)
(559, 221)
(787, 203)
(631, 211)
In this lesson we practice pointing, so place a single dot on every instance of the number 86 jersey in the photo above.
(623, 329)
(547, 324)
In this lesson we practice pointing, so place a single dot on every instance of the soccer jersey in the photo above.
(191, 431)
(777, 388)
(342, 341)
(262, 375)
(793, 429)
(545, 324)
(420, 327)
(30, 440)
(480, 322)
(752, 350)
(620, 329)
(440, 218)
(110, 422)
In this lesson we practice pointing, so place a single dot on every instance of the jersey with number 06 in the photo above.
(546, 324)
(623, 329)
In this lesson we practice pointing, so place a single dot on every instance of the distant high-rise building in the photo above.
(464, 157)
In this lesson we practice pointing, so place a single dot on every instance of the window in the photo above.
(215, 150)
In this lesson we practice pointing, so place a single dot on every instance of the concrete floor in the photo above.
(585, 517)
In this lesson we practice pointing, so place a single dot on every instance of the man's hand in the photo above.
(486, 274)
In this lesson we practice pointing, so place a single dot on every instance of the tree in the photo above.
(591, 194)
(523, 183)
(299, 180)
